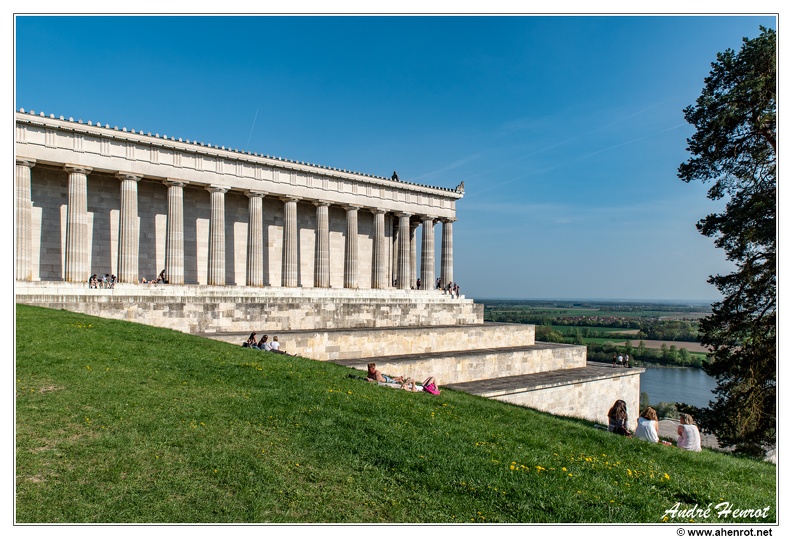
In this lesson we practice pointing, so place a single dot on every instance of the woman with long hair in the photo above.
(617, 418)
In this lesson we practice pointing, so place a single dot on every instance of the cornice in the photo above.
(213, 151)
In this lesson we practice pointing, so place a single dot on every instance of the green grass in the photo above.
(119, 422)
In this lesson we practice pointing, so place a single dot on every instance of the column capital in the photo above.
(447, 219)
(403, 214)
(319, 203)
(256, 194)
(375, 211)
(175, 183)
(216, 189)
(128, 176)
(77, 169)
(349, 207)
(25, 162)
(287, 199)
(427, 218)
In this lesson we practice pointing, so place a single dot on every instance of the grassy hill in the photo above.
(120, 422)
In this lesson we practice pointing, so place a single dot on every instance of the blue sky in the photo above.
(567, 130)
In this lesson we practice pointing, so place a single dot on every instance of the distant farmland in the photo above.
(689, 346)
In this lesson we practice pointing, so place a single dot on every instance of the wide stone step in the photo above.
(586, 392)
(207, 309)
(355, 343)
(469, 365)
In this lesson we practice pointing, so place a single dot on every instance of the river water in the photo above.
(688, 385)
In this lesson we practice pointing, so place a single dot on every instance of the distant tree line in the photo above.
(648, 328)
(603, 352)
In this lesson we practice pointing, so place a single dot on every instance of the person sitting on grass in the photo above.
(251, 341)
(689, 437)
(617, 418)
(376, 376)
(264, 345)
(647, 426)
(275, 346)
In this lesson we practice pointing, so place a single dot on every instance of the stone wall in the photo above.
(384, 341)
(458, 367)
(241, 309)
(589, 399)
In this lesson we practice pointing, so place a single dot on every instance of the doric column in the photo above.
(174, 236)
(217, 235)
(379, 261)
(128, 233)
(351, 248)
(427, 254)
(394, 278)
(77, 247)
(289, 268)
(322, 246)
(24, 219)
(403, 279)
(413, 254)
(447, 252)
(255, 240)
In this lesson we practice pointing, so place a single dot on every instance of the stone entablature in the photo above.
(56, 141)
(94, 199)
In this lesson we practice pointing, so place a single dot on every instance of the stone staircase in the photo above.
(496, 361)
(414, 333)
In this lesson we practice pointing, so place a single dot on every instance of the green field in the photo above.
(125, 423)
(570, 330)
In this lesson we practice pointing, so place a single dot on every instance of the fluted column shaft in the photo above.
(403, 279)
(427, 254)
(394, 277)
(289, 267)
(351, 248)
(216, 274)
(174, 238)
(413, 255)
(24, 219)
(255, 240)
(447, 253)
(322, 246)
(128, 230)
(77, 247)
(379, 261)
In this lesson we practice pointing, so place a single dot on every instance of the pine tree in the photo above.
(734, 148)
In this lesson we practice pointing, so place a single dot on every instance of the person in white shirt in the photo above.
(647, 426)
(275, 346)
(689, 437)
(264, 345)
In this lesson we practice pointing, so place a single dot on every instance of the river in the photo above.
(688, 385)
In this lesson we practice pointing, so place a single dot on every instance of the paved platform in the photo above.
(496, 387)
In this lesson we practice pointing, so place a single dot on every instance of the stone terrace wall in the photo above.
(367, 343)
(590, 399)
(197, 309)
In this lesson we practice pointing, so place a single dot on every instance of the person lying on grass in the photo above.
(429, 385)
(376, 376)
